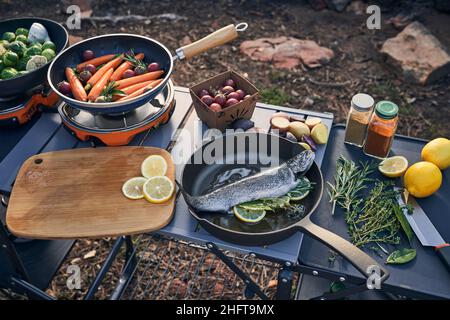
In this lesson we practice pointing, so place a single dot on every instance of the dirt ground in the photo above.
(356, 67)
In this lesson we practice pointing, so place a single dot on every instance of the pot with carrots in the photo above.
(117, 73)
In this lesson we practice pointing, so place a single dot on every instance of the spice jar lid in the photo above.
(386, 109)
(362, 102)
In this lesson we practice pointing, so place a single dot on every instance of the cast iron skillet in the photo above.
(120, 43)
(19, 85)
(197, 177)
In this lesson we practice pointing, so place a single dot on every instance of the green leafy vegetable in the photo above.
(403, 222)
(401, 256)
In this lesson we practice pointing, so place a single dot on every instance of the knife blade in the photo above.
(424, 229)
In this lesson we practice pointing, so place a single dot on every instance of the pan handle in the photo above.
(358, 258)
(217, 38)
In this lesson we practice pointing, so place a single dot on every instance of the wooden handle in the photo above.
(217, 38)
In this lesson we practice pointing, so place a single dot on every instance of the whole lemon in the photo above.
(437, 151)
(422, 179)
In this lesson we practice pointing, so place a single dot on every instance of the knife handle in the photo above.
(443, 252)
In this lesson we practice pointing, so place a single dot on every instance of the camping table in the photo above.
(425, 277)
(48, 134)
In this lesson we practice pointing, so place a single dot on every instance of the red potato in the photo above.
(215, 107)
(220, 99)
(227, 90)
(233, 95)
(208, 100)
(203, 92)
(230, 102)
(241, 93)
(247, 96)
(229, 82)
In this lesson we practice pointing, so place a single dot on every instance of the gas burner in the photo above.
(119, 129)
(19, 110)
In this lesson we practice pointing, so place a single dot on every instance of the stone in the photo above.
(417, 54)
(337, 5)
(287, 52)
(74, 39)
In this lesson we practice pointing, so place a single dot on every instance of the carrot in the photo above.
(142, 90)
(75, 85)
(134, 87)
(117, 75)
(138, 79)
(100, 72)
(96, 61)
(98, 87)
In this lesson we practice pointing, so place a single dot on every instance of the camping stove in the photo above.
(19, 110)
(119, 129)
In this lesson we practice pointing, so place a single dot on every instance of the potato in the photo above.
(297, 117)
(305, 145)
(311, 122)
(280, 123)
(320, 134)
(280, 114)
(299, 129)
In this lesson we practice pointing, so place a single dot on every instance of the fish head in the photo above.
(301, 162)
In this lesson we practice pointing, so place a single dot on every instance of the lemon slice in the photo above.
(246, 215)
(35, 63)
(393, 167)
(301, 191)
(153, 166)
(158, 189)
(132, 189)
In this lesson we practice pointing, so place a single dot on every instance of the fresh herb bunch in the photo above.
(109, 91)
(376, 218)
(349, 179)
(131, 57)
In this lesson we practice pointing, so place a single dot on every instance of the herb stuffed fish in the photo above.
(271, 183)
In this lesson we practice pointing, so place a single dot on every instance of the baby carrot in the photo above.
(142, 90)
(117, 75)
(75, 85)
(96, 61)
(98, 87)
(100, 72)
(137, 86)
(138, 79)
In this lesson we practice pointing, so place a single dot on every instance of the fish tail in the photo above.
(187, 197)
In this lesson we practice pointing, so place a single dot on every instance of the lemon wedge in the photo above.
(247, 215)
(158, 189)
(393, 167)
(132, 189)
(153, 166)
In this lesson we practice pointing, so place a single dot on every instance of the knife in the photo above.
(425, 230)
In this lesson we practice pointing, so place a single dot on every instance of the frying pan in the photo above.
(197, 177)
(16, 86)
(119, 43)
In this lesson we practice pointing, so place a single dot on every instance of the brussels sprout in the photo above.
(22, 38)
(34, 50)
(49, 45)
(10, 58)
(22, 32)
(17, 47)
(9, 36)
(9, 73)
(5, 43)
(2, 49)
(22, 64)
(49, 54)
(2, 65)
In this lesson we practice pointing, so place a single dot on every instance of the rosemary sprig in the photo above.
(109, 91)
(131, 57)
(349, 179)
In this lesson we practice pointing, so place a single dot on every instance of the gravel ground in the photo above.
(356, 67)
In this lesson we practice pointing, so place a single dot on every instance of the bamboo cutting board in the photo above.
(78, 194)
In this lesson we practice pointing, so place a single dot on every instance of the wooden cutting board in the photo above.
(78, 194)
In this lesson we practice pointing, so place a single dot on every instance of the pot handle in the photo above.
(217, 38)
(358, 258)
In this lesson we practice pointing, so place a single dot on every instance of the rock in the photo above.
(317, 4)
(358, 7)
(442, 5)
(338, 5)
(287, 52)
(417, 54)
(74, 39)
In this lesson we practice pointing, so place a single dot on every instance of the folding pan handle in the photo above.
(359, 259)
(215, 39)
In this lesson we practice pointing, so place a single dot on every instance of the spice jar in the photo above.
(381, 129)
(358, 119)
